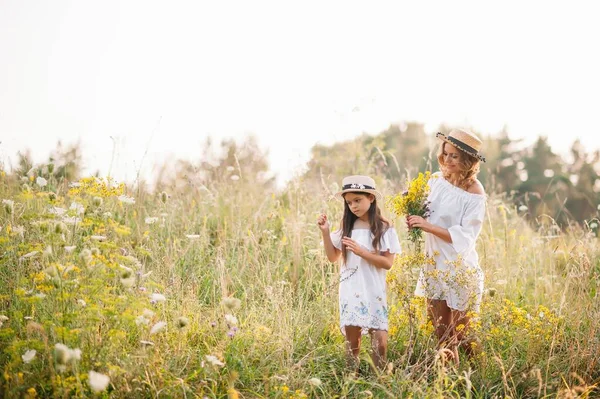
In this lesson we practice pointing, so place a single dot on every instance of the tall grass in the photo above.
(537, 333)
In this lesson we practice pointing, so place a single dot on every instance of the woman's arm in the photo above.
(417, 221)
(383, 261)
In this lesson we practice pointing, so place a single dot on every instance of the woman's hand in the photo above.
(323, 223)
(415, 221)
(353, 246)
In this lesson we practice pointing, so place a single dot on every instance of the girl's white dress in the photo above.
(456, 276)
(363, 300)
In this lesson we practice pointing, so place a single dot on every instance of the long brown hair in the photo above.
(377, 223)
(469, 167)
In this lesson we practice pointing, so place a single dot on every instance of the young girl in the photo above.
(454, 285)
(367, 244)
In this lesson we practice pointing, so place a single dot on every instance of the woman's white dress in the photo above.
(456, 276)
(362, 296)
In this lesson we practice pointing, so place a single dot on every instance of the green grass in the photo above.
(538, 328)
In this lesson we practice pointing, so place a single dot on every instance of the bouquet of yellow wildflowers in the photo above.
(413, 201)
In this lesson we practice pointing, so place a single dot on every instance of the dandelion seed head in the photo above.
(40, 181)
(28, 356)
(158, 327)
(315, 382)
(98, 382)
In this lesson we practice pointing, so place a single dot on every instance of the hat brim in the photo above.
(340, 195)
(458, 145)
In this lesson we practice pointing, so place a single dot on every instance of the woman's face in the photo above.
(451, 156)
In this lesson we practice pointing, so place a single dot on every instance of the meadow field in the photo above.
(222, 290)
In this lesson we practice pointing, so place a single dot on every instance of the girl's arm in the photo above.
(333, 254)
(382, 261)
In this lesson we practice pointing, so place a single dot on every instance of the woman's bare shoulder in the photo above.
(476, 188)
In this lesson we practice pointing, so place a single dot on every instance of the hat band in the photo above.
(461, 144)
(357, 186)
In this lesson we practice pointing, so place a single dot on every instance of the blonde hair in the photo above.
(468, 164)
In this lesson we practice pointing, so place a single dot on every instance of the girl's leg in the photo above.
(353, 336)
(379, 339)
(441, 318)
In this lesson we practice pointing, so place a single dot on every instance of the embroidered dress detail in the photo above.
(456, 276)
(362, 292)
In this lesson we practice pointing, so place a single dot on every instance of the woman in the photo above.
(453, 285)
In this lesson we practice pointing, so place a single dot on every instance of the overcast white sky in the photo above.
(292, 73)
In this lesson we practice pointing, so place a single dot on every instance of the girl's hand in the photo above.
(323, 223)
(352, 246)
(417, 221)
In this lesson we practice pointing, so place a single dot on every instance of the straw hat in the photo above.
(358, 183)
(464, 141)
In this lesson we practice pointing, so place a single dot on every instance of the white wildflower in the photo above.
(98, 238)
(151, 220)
(183, 322)
(86, 256)
(98, 381)
(77, 207)
(76, 354)
(315, 382)
(235, 177)
(70, 248)
(28, 356)
(193, 236)
(126, 199)
(128, 282)
(158, 297)
(231, 319)
(593, 225)
(55, 210)
(40, 181)
(148, 313)
(48, 251)
(30, 254)
(214, 361)
(231, 303)
(3, 319)
(523, 208)
(9, 205)
(107, 215)
(141, 320)
(81, 303)
(62, 353)
(71, 220)
(158, 327)
(74, 184)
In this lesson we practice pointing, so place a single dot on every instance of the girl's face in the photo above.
(451, 156)
(359, 204)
